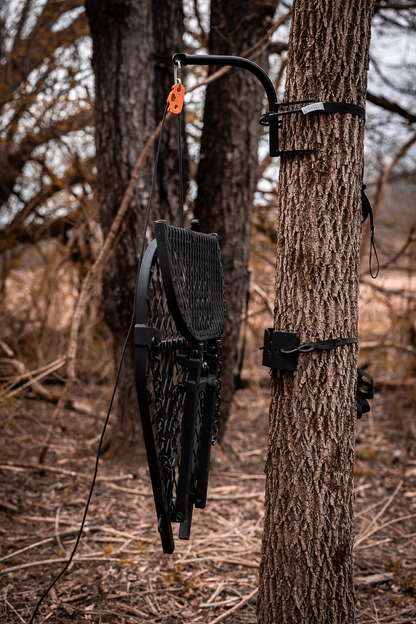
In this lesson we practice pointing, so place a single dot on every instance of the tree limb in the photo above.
(381, 101)
(398, 6)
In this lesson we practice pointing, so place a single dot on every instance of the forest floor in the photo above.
(120, 574)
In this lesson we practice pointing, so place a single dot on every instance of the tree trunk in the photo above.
(227, 172)
(306, 572)
(129, 102)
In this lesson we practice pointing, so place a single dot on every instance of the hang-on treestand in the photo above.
(180, 313)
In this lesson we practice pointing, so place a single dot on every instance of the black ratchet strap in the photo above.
(281, 352)
(334, 107)
(281, 349)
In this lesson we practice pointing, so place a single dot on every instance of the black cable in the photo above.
(56, 579)
(373, 246)
(159, 145)
(180, 170)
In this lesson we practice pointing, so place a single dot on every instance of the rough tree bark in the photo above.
(131, 91)
(306, 572)
(227, 172)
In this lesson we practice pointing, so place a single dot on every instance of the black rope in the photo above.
(180, 169)
(369, 211)
(56, 579)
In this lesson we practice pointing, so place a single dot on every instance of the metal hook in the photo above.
(176, 66)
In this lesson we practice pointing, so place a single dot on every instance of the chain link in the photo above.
(217, 408)
(159, 405)
(175, 428)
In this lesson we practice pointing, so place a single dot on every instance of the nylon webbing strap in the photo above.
(367, 210)
(365, 391)
(322, 345)
(353, 109)
(334, 107)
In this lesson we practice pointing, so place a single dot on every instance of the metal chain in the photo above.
(175, 426)
(159, 405)
(217, 408)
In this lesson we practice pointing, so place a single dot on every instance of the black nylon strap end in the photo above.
(343, 107)
(365, 392)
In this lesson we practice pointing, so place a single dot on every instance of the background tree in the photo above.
(128, 37)
(306, 569)
(47, 180)
(227, 170)
(46, 151)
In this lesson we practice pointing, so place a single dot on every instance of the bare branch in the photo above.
(246, 53)
(381, 101)
(395, 5)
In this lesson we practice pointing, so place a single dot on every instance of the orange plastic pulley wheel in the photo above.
(175, 99)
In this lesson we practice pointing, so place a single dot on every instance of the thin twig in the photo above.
(37, 387)
(54, 421)
(80, 559)
(12, 607)
(21, 466)
(368, 532)
(6, 349)
(234, 609)
(216, 593)
(61, 546)
(22, 550)
(380, 344)
(50, 368)
(263, 296)
(224, 70)
(390, 522)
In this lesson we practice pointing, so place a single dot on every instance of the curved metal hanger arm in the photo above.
(238, 61)
(235, 61)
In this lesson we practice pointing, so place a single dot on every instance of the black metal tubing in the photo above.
(174, 307)
(238, 61)
(235, 61)
(212, 360)
(193, 364)
(153, 455)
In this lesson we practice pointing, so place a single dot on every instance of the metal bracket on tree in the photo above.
(271, 118)
(281, 349)
(237, 61)
(281, 352)
(312, 106)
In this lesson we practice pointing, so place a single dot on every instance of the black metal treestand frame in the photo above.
(180, 312)
(271, 118)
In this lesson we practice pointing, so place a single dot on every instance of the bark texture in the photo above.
(306, 572)
(130, 98)
(227, 172)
